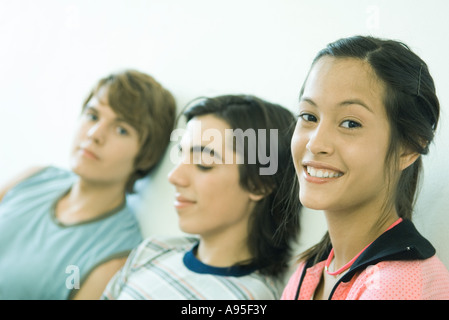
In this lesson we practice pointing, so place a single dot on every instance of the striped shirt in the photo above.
(166, 268)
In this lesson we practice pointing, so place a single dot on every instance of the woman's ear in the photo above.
(257, 194)
(256, 197)
(407, 158)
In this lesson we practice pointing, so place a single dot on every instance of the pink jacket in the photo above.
(400, 264)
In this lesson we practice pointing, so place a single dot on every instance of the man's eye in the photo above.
(122, 131)
(91, 117)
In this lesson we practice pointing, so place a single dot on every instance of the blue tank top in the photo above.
(41, 258)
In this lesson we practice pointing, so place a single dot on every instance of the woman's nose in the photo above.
(321, 140)
(178, 176)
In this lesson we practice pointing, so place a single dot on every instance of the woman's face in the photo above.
(341, 138)
(209, 199)
(105, 146)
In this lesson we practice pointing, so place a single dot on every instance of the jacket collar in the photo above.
(403, 242)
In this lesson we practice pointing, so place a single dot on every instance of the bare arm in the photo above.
(17, 179)
(96, 282)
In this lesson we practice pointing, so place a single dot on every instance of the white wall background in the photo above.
(53, 51)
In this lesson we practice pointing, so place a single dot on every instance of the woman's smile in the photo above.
(182, 202)
(320, 172)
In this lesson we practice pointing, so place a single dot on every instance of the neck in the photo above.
(86, 201)
(222, 252)
(351, 232)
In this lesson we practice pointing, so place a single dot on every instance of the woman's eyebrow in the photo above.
(308, 100)
(205, 149)
(343, 103)
(356, 101)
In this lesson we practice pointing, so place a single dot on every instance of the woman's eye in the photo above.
(308, 117)
(200, 162)
(203, 168)
(350, 124)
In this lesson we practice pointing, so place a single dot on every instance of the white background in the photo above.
(53, 51)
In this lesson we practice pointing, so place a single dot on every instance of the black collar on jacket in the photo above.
(403, 242)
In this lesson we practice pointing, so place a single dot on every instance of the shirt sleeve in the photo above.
(404, 280)
(118, 281)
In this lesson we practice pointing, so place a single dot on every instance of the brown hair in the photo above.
(275, 221)
(146, 106)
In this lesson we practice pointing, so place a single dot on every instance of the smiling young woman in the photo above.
(367, 112)
(243, 224)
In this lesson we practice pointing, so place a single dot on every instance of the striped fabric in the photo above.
(166, 268)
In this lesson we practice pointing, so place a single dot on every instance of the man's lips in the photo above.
(89, 154)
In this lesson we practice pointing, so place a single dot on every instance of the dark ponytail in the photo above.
(412, 109)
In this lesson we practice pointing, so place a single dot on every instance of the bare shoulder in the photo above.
(19, 178)
(94, 285)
